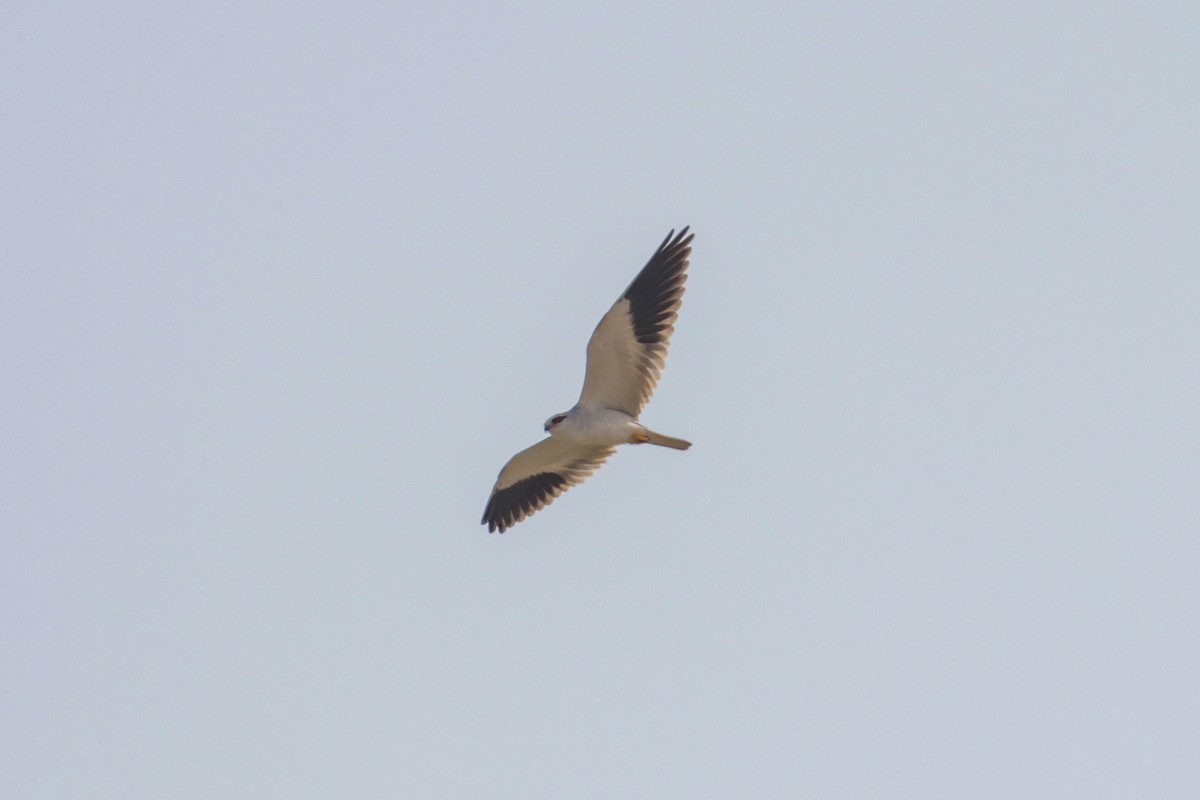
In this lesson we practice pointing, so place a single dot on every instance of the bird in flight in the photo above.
(625, 357)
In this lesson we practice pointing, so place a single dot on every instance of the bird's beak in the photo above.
(546, 427)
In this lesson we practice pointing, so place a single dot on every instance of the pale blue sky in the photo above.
(283, 288)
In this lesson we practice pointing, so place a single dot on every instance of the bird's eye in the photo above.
(559, 419)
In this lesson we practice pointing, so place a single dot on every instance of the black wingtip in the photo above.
(673, 239)
(490, 520)
(512, 504)
(655, 292)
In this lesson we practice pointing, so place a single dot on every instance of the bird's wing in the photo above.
(535, 476)
(627, 350)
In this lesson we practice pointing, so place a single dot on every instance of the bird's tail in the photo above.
(666, 441)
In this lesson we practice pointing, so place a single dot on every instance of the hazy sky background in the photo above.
(284, 286)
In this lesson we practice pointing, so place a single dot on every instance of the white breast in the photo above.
(597, 426)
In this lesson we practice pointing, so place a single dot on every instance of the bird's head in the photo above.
(554, 422)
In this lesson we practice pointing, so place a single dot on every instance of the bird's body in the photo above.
(596, 425)
(625, 357)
